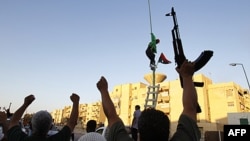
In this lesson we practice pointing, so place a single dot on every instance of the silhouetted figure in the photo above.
(41, 123)
(134, 128)
(91, 134)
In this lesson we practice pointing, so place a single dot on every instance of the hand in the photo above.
(186, 69)
(74, 98)
(29, 99)
(102, 84)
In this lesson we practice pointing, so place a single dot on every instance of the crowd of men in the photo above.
(149, 124)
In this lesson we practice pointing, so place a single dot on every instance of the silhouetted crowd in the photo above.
(148, 125)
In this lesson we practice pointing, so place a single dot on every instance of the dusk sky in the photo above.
(53, 48)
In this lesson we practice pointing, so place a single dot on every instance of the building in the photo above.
(242, 118)
(57, 115)
(215, 100)
(94, 112)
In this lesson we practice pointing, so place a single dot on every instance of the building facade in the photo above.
(215, 100)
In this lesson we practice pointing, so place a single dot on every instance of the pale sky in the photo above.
(54, 48)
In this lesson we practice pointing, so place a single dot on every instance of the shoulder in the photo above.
(118, 132)
(14, 129)
(15, 132)
(185, 119)
(138, 112)
(65, 130)
(187, 129)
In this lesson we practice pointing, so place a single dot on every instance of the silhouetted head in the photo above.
(41, 123)
(157, 41)
(153, 125)
(91, 126)
(137, 107)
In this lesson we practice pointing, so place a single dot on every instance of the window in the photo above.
(165, 93)
(243, 121)
(230, 104)
(229, 93)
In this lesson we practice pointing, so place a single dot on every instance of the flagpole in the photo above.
(150, 19)
(153, 68)
(153, 83)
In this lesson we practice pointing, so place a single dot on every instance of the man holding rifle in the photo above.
(154, 124)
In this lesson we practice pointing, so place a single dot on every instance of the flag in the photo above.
(162, 59)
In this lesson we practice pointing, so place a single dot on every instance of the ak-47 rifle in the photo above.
(180, 56)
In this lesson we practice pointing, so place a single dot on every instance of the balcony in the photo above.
(163, 107)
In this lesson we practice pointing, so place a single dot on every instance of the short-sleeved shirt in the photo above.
(117, 132)
(16, 134)
(187, 130)
(137, 114)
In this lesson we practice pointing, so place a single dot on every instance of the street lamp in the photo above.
(234, 64)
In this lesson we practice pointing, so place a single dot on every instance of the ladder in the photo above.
(152, 96)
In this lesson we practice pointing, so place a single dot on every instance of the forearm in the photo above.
(108, 107)
(189, 98)
(17, 115)
(73, 116)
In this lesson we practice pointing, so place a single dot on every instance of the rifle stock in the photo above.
(180, 56)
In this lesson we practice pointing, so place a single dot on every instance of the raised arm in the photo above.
(108, 106)
(74, 113)
(189, 98)
(19, 112)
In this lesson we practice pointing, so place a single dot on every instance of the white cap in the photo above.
(92, 136)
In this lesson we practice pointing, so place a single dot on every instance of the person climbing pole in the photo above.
(152, 49)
